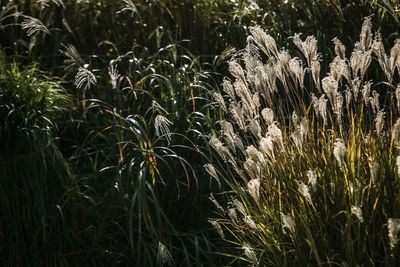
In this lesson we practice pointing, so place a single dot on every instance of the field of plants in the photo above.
(199, 133)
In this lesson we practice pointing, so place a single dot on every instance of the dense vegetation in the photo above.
(199, 132)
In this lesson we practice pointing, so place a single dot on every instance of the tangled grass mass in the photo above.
(314, 161)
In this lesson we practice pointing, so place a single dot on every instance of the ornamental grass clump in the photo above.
(311, 158)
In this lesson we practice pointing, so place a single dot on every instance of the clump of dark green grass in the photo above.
(34, 176)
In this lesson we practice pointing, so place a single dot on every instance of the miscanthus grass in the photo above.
(311, 158)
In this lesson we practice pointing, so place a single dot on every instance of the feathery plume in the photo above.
(267, 147)
(312, 179)
(211, 171)
(288, 223)
(228, 88)
(303, 190)
(315, 71)
(365, 35)
(161, 125)
(339, 151)
(233, 215)
(398, 96)
(296, 70)
(217, 227)
(394, 230)
(348, 96)
(237, 114)
(276, 134)
(379, 122)
(355, 87)
(249, 222)
(236, 70)
(255, 128)
(374, 170)
(114, 75)
(366, 90)
(245, 95)
(253, 186)
(338, 108)
(84, 79)
(308, 47)
(379, 50)
(322, 108)
(330, 85)
(264, 41)
(356, 210)
(220, 100)
(239, 206)
(396, 132)
(252, 168)
(340, 49)
(215, 202)
(374, 100)
(164, 256)
(394, 56)
(229, 134)
(224, 153)
(268, 115)
(339, 68)
(250, 254)
(255, 155)
(33, 26)
(315, 104)
(398, 165)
